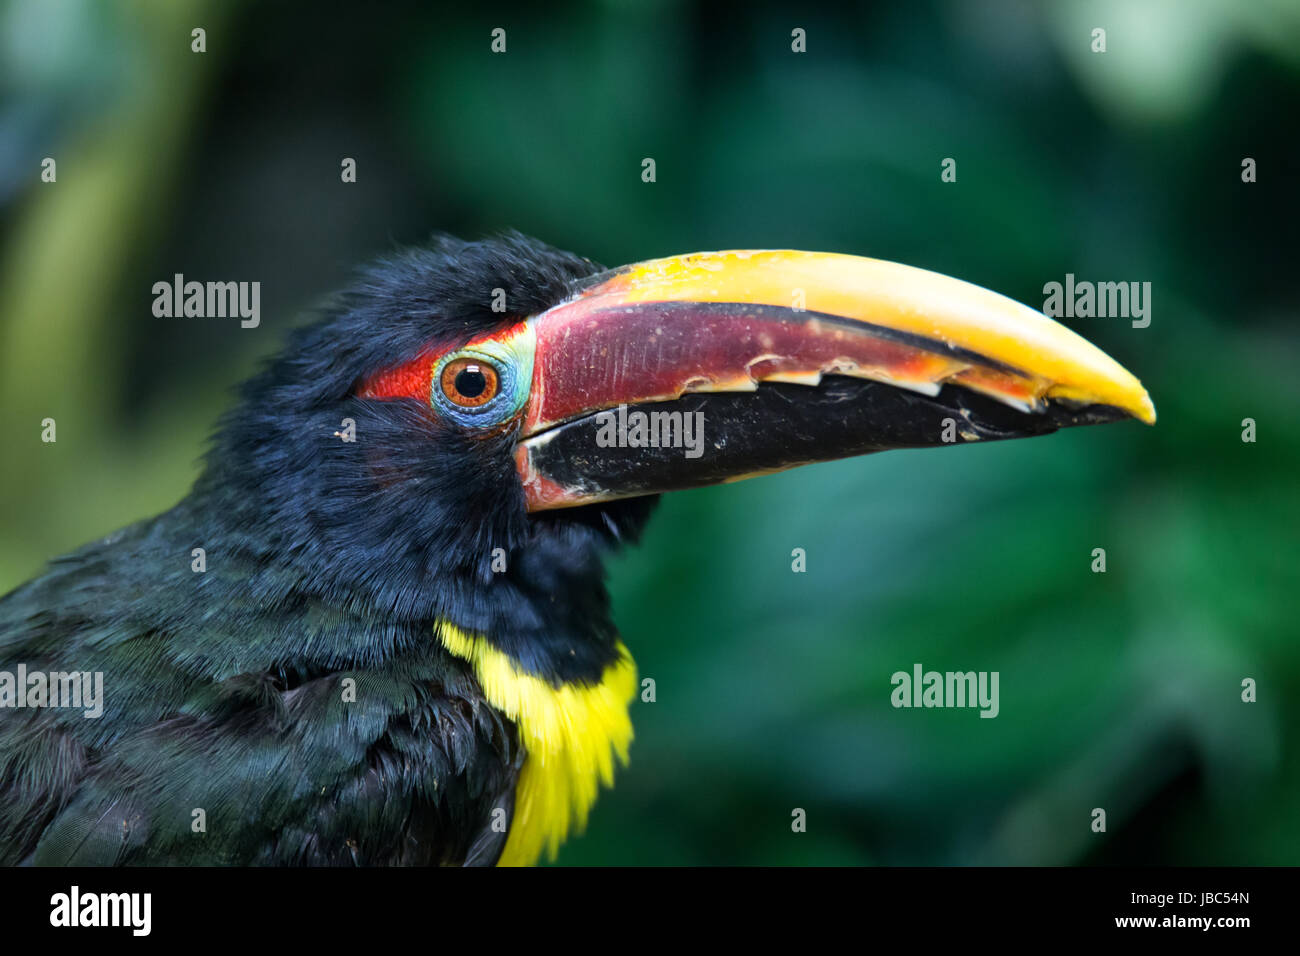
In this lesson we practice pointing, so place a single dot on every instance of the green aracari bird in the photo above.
(398, 647)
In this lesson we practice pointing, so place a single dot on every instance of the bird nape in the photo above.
(376, 630)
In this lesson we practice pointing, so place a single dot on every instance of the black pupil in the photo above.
(471, 382)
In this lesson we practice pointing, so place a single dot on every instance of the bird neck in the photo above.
(537, 595)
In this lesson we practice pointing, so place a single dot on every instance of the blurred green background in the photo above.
(1118, 690)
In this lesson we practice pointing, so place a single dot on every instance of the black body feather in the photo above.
(325, 560)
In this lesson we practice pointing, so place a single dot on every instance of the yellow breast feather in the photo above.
(571, 736)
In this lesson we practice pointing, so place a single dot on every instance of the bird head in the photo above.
(467, 430)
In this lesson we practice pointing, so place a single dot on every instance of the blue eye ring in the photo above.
(506, 356)
(454, 393)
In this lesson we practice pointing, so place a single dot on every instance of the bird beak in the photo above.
(717, 366)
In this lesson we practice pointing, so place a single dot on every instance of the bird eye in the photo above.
(484, 384)
(469, 382)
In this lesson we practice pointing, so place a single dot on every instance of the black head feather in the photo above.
(402, 523)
